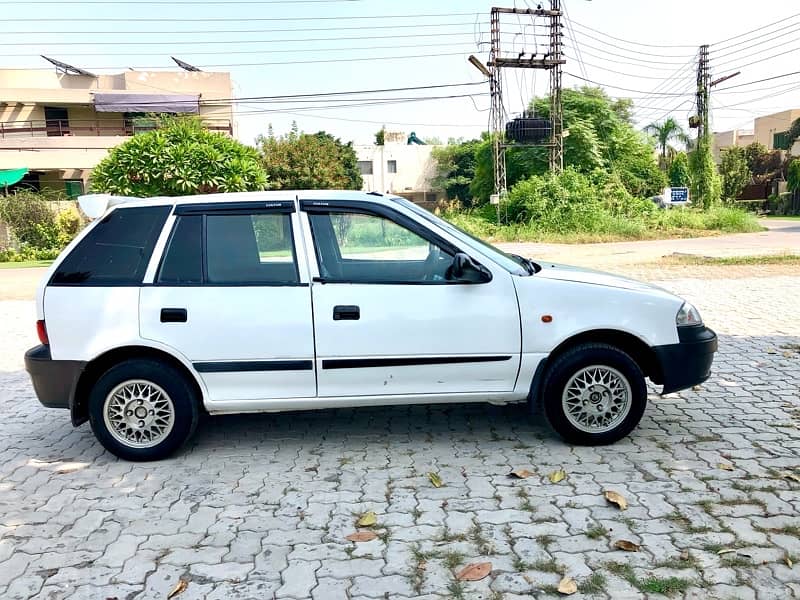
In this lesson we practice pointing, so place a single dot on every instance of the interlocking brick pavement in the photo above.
(259, 506)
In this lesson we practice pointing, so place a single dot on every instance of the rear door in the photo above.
(389, 322)
(230, 296)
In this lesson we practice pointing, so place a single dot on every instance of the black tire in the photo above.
(570, 363)
(179, 396)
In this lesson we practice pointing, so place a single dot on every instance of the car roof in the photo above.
(268, 195)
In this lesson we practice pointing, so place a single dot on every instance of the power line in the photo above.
(630, 41)
(636, 58)
(617, 87)
(738, 85)
(761, 41)
(173, 43)
(636, 75)
(280, 51)
(222, 19)
(760, 60)
(768, 25)
(281, 63)
(625, 62)
(216, 31)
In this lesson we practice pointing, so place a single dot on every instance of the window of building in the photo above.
(391, 166)
(365, 167)
(116, 251)
(56, 121)
(780, 140)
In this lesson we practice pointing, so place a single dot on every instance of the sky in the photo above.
(642, 49)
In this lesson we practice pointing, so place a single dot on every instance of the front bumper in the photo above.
(688, 362)
(53, 380)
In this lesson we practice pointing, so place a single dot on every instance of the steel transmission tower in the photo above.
(552, 60)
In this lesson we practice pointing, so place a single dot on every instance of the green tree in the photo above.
(304, 161)
(666, 132)
(793, 175)
(179, 158)
(706, 185)
(794, 133)
(763, 164)
(734, 171)
(380, 136)
(455, 169)
(679, 170)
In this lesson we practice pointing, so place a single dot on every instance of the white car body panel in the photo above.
(246, 324)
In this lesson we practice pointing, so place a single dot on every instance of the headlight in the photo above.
(687, 316)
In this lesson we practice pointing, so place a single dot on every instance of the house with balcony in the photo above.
(769, 130)
(56, 126)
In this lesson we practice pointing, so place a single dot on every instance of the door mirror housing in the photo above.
(466, 270)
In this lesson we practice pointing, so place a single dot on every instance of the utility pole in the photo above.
(551, 60)
(703, 87)
(556, 115)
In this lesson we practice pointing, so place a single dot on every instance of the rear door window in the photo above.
(116, 251)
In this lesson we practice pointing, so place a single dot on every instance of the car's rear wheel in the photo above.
(142, 410)
(594, 394)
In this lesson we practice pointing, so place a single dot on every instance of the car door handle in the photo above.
(173, 315)
(346, 313)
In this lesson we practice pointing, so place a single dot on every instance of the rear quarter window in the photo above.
(116, 251)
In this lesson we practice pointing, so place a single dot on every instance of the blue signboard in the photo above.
(679, 194)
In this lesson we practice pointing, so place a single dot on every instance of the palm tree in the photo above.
(664, 133)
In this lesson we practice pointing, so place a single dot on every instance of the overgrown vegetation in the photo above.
(611, 172)
(40, 230)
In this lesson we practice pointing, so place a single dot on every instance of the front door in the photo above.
(228, 295)
(386, 319)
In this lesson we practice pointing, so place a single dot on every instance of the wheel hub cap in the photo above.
(596, 399)
(139, 413)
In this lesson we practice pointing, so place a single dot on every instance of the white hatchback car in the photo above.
(278, 301)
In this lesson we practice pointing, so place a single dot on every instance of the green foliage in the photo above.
(601, 136)
(734, 171)
(793, 175)
(28, 253)
(380, 136)
(309, 161)
(455, 170)
(706, 184)
(679, 171)
(34, 222)
(665, 132)
(794, 133)
(179, 158)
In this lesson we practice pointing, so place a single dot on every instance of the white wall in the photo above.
(415, 168)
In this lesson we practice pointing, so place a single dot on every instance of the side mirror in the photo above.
(467, 270)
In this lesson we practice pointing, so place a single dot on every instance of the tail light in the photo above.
(41, 330)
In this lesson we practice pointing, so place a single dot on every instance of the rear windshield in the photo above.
(116, 251)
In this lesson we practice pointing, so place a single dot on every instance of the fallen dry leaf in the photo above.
(567, 586)
(557, 476)
(616, 498)
(435, 480)
(792, 476)
(626, 545)
(685, 555)
(725, 551)
(520, 473)
(362, 536)
(179, 588)
(725, 466)
(368, 519)
(789, 562)
(474, 571)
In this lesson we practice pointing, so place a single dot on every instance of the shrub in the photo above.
(31, 218)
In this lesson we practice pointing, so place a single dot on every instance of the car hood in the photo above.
(592, 277)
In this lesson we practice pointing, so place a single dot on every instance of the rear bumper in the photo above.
(688, 362)
(53, 380)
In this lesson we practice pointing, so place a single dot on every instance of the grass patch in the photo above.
(721, 261)
(736, 561)
(25, 264)
(452, 559)
(596, 532)
(484, 546)
(605, 227)
(667, 586)
(594, 584)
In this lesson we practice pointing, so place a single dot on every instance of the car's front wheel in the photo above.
(594, 394)
(142, 410)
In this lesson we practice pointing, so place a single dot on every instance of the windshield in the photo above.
(511, 263)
